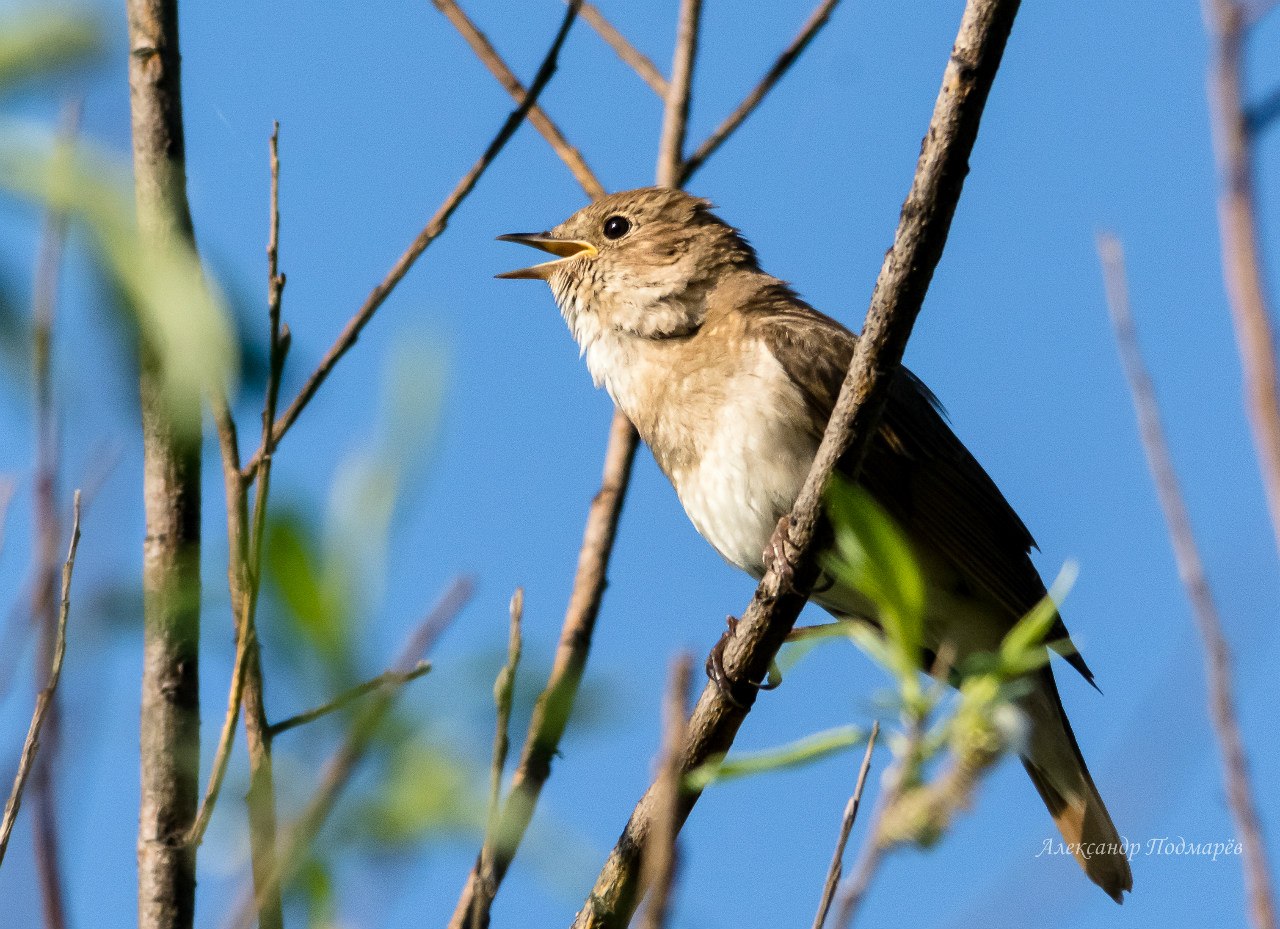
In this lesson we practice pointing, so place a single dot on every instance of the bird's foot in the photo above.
(719, 677)
(779, 555)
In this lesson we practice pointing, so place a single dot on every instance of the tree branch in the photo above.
(1222, 709)
(429, 234)
(846, 827)
(489, 56)
(31, 746)
(44, 602)
(895, 303)
(1226, 22)
(342, 764)
(170, 727)
(817, 19)
(350, 695)
(637, 59)
(660, 866)
(675, 116)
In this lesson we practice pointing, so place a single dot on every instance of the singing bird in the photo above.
(730, 379)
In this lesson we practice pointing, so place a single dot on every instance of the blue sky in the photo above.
(1097, 121)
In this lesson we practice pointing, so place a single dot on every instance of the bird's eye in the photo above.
(615, 227)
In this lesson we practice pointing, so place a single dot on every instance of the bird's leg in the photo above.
(718, 676)
(779, 552)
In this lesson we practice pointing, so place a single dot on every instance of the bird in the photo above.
(730, 378)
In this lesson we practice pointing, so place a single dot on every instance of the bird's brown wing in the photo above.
(917, 469)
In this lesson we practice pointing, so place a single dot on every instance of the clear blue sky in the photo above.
(1097, 121)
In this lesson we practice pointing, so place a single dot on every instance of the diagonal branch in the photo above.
(846, 827)
(342, 764)
(637, 59)
(899, 293)
(817, 19)
(489, 56)
(31, 746)
(1222, 709)
(429, 234)
(1227, 24)
(350, 695)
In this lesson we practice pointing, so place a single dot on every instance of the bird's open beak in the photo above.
(564, 248)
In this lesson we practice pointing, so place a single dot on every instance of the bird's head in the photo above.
(639, 263)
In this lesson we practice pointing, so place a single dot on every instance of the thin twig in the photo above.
(44, 604)
(503, 699)
(1242, 267)
(1222, 709)
(350, 695)
(489, 56)
(817, 19)
(555, 703)
(900, 291)
(31, 746)
(675, 116)
(342, 764)
(429, 233)
(638, 60)
(661, 857)
(846, 827)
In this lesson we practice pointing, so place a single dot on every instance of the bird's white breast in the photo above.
(753, 461)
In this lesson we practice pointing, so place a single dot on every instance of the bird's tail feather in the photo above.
(1058, 770)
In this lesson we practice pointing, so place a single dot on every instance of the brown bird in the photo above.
(730, 378)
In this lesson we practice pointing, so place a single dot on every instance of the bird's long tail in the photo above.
(1058, 770)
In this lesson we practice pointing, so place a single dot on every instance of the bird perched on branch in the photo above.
(730, 378)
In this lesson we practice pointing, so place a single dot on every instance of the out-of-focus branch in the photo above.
(675, 115)
(899, 293)
(170, 724)
(503, 699)
(489, 56)
(660, 865)
(44, 596)
(1222, 710)
(31, 746)
(551, 712)
(846, 827)
(429, 233)
(817, 19)
(350, 695)
(342, 764)
(1227, 24)
(637, 59)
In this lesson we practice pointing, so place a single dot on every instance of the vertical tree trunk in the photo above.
(171, 490)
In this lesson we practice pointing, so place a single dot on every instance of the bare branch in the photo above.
(1222, 709)
(170, 714)
(429, 234)
(899, 293)
(675, 117)
(489, 56)
(660, 863)
(1226, 24)
(31, 746)
(44, 603)
(555, 703)
(503, 698)
(637, 59)
(343, 763)
(846, 827)
(350, 695)
(817, 19)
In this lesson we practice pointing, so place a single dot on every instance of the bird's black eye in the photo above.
(615, 227)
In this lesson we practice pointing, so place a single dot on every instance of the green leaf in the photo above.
(810, 748)
(38, 43)
(1022, 649)
(180, 315)
(314, 601)
(874, 556)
